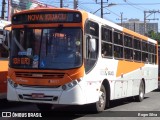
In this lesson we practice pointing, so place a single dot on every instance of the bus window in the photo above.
(118, 39)
(127, 41)
(4, 44)
(92, 32)
(106, 49)
(137, 44)
(145, 57)
(106, 41)
(128, 53)
(144, 46)
(137, 55)
(118, 51)
(106, 34)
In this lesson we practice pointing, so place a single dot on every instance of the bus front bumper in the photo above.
(71, 96)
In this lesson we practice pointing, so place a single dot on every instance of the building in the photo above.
(138, 26)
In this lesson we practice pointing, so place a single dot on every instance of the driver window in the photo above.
(92, 32)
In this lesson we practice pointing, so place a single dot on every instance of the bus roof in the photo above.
(120, 28)
(94, 18)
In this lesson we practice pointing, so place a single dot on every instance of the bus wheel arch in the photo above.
(140, 96)
(104, 97)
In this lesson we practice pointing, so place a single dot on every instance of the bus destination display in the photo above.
(52, 17)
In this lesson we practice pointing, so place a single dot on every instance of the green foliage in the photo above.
(154, 35)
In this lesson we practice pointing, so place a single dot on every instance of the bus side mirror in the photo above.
(92, 45)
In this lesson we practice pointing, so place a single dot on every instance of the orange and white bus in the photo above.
(72, 57)
(3, 59)
(158, 62)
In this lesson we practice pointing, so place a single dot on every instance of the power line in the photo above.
(131, 4)
(150, 12)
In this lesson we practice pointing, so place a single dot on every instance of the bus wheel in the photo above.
(45, 107)
(140, 97)
(100, 105)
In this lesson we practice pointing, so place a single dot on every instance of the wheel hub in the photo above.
(101, 99)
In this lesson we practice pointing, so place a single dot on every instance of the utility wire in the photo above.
(131, 4)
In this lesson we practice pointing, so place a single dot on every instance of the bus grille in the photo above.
(45, 98)
(39, 86)
(44, 75)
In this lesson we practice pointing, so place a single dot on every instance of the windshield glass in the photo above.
(56, 48)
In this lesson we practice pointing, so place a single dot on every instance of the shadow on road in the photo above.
(64, 113)
(7, 105)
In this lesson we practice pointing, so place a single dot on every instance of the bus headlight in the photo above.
(12, 83)
(70, 84)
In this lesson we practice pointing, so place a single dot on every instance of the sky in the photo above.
(128, 8)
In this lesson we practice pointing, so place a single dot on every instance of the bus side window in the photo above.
(118, 39)
(106, 41)
(118, 52)
(128, 53)
(118, 44)
(106, 50)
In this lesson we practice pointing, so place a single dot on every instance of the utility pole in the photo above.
(3, 14)
(75, 4)
(61, 3)
(122, 18)
(150, 12)
(101, 8)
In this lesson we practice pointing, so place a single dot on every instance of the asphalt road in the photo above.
(122, 109)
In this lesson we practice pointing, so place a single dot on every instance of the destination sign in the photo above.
(49, 17)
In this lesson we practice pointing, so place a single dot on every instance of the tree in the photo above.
(154, 35)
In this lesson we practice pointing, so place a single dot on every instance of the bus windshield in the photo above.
(52, 48)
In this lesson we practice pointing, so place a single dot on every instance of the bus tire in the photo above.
(140, 96)
(100, 105)
(44, 107)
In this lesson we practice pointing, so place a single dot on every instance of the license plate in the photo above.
(37, 95)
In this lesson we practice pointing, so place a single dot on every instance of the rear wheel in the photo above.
(45, 107)
(140, 97)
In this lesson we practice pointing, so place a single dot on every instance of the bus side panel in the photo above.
(151, 82)
(3, 76)
(3, 82)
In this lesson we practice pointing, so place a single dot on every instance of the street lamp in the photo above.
(109, 5)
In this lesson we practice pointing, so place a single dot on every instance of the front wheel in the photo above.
(101, 104)
(140, 97)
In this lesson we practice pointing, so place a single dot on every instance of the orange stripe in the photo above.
(135, 34)
(127, 66)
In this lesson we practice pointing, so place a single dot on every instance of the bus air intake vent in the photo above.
(44, 75)
(39, 86)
